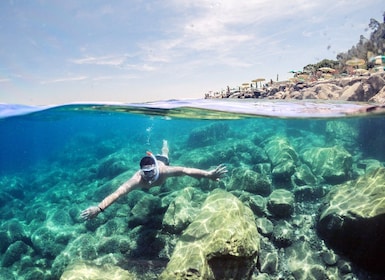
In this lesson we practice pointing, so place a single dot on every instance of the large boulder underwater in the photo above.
(222, 242)
(332, 164)
(352, 219)
(182, 210)
(283, 158)
(89, 271)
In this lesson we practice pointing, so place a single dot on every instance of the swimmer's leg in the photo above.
(165, 148)
(164, 156)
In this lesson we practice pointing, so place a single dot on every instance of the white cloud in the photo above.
(118, 61)
(227, 31)
(65, 79)
(112, 60)
(115, 77)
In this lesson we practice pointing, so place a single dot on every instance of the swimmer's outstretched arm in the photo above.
(215, 174)
(93, 211)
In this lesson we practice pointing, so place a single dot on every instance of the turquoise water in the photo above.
(57, 161)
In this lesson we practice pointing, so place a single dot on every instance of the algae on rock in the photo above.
(333, 164)
(221, 243)
(250, 181)
(182, 210)
(352, 219)
(283, 158)
(89, 271)
(281, 203)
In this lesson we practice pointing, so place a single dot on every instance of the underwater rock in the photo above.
(269, 262)
(89, 271)
(283, 158)
(265, 227)
(341, 133)
(258, 154)
(308, 193)
(333, 164)
(82, 248)
(250, 181)
(371, 138)
(281, 203)
(283, 234)
(7, 273)
(208, 135)
(263, 168)
(256, 203)
(304, 263)
(10, 232)
(364, 166)
(352, 219)
(145, 210)
(115, 226)
(5, 198)
(329, 257)
(60, 218)
(205, 157)
(262, 276)
(111, 166)
(14, 253)
(303, 176)
(242, 152)
(116, 243)
(14, 187)
(32, 274)
(221, 243)
(44, 241)
(145, 242)
(345, 267)
(182, 210)
(51, 236)
(94, 224)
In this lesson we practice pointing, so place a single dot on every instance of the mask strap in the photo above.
(156, 167)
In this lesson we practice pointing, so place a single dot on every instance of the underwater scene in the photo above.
(254, 190)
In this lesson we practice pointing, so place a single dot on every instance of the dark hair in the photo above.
(146, 161)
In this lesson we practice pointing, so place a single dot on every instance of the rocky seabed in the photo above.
(289, 209)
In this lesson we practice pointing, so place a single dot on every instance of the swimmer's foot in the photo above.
(165, 148)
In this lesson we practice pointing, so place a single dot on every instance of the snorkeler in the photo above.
(154, 170)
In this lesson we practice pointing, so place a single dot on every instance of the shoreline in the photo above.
(368, 88)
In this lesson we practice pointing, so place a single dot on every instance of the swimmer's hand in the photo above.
(90, 213)
(219, 172)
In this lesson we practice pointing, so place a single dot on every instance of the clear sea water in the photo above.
(57, 160)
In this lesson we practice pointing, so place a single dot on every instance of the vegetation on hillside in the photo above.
(364, 49)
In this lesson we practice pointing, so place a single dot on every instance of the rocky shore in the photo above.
(369, 88)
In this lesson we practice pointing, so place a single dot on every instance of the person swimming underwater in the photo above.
(154, 171)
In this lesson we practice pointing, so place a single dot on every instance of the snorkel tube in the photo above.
(156, 167)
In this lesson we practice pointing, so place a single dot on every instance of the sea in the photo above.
(57, 160)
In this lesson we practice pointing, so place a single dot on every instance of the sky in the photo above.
(55, 52)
